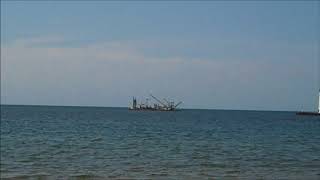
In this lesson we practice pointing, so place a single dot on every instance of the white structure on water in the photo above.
(319, 103)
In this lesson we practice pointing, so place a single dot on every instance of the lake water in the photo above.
(47, 142)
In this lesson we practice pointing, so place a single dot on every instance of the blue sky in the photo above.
(224, 55)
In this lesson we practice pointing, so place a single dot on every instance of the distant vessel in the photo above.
(162, 106)
(311, 113)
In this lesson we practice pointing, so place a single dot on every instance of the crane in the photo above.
(177, 104)
(158, 100)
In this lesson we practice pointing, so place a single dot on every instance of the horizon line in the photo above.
(94, 106)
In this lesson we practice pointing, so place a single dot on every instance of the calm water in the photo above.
(40, 142)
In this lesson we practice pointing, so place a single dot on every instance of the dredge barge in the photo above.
(160, 106)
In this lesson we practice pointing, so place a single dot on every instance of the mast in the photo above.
(134, 103)
(319, 102)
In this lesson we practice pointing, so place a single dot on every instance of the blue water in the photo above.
(43, 142)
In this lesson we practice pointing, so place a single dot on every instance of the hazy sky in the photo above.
(232, 55)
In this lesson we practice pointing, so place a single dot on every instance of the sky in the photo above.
(245, 55)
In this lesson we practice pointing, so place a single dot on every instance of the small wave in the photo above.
(85, 176)
(41, 176)
(213, 165)
(136, 169)
(97, 139)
